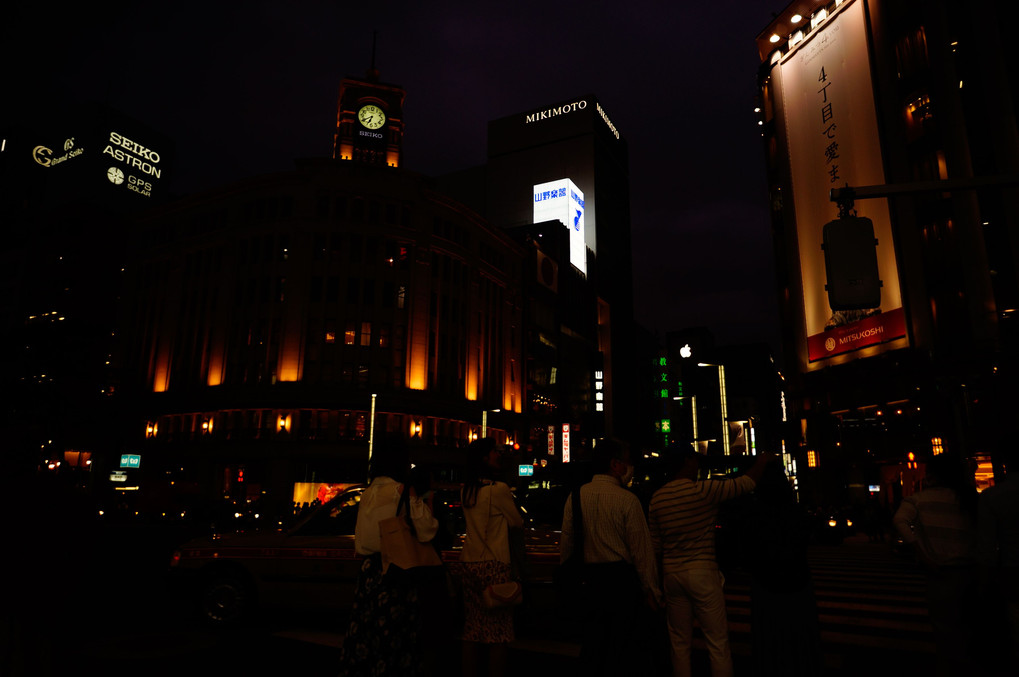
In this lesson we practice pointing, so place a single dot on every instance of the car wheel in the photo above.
(226, 600)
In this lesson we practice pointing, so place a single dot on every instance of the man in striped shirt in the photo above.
(682, 524)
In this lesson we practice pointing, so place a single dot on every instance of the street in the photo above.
(871, 612)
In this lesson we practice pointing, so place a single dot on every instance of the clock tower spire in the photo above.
(369, 120)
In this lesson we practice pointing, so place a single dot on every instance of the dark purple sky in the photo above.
(246, 88)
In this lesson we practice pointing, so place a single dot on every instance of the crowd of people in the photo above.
(658, 565)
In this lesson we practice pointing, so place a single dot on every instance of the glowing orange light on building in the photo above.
(161, 373)
(811, 459)
(217, 365)
(911, 463)
(936, 446)
(283, 423)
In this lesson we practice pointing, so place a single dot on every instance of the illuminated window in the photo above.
(384, 336)
(349, 334)
(936, 446)
(330, 337)
(811, 459)
(366, 333)
(401, 296)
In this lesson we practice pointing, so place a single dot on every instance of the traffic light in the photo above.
(850, 261)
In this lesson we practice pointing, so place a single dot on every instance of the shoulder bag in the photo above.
(500, 595)
(400, 545)
(570, 580)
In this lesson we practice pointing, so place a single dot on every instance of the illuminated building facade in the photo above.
(920, 96)
(269, 315)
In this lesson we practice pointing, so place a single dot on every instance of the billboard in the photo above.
(826, 108)
(562, 201)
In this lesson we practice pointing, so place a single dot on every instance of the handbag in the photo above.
(570, 581)
(507, 594)
(400, 545)
(503, 595)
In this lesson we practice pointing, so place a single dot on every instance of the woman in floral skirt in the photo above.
(490, 513)
(383, 636)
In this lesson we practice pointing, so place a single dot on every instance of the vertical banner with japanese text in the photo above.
(827, 102)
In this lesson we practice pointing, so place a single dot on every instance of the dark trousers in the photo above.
(611, 615)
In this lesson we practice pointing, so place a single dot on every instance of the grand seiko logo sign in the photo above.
(45, 157)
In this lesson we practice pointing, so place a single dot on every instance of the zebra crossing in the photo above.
(867, 599)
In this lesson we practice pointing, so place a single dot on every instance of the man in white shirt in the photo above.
(619, 561)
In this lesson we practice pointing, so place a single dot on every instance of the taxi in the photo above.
(313, 564)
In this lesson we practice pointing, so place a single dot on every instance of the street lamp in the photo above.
(725, 412)
(484, 420)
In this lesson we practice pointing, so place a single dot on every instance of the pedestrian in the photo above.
(619, 564)
(490, 513)
(785, 634)
(682, 521)
(998, 549)
(384, 630)
(938, 523)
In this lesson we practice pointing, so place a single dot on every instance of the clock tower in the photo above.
(369, 121)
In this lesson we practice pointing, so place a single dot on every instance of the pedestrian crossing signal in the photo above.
(850, 262)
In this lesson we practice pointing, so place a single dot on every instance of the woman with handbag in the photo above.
(485, 562)
(383, 636)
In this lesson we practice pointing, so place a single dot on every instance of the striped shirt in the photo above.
(614, 529)
(933, 520)
(682, 520)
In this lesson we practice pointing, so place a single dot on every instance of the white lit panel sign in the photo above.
(562, 201)
(566, 442)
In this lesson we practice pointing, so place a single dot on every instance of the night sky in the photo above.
(246, 88)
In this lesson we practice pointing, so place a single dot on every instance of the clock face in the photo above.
(371, 116)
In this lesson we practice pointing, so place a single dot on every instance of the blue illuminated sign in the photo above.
(130, 461)
(526, 470)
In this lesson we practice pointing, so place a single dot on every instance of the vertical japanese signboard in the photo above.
(826, 101)
(566, 442)
(551, 440)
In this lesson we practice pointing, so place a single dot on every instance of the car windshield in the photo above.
(337, 517)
